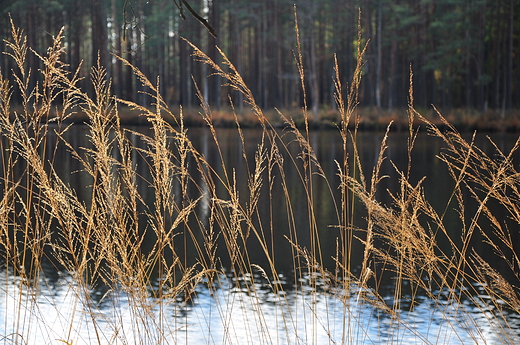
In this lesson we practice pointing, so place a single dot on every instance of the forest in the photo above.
(464, 54)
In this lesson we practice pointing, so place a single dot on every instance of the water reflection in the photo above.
(249, 308)
(231, 315)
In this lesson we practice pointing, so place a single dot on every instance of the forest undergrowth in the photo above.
(160, 253)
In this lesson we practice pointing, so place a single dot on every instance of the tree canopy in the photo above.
(464, 53)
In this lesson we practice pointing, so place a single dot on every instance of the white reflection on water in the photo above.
(228, 315)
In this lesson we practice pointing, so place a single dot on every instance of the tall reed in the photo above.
(162, 223)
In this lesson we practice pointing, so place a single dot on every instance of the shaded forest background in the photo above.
(465, 54)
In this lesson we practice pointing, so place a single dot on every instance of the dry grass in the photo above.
(131, 237)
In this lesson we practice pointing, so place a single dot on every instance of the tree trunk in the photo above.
(118, 67)
(378, 57)
(508, 68)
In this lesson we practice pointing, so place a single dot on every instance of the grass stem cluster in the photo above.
(154, 242)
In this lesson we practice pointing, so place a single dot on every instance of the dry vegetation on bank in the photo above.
(369, 119)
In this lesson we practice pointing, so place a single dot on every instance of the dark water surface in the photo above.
(229, 316)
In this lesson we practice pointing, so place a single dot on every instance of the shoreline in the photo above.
(368, 119)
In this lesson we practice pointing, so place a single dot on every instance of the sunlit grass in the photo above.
(136, 254)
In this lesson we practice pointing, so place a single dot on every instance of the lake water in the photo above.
(230, 315)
